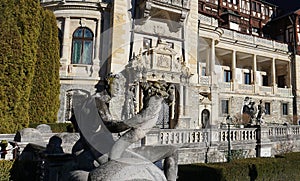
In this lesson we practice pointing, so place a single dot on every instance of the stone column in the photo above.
(274, 76)
(207, 66)
(214, 88)
(289, 68)
(96, 61)
(233, 70)
(254, 74)
(186, 100)
(65, 58)
(181, 94)
(212, 59)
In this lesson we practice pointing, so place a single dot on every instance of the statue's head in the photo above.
(116, 84)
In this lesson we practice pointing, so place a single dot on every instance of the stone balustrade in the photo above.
(283, 131)
(174, 136)
(285, 92)
(179, 3)
(238, 134)
(236, 36)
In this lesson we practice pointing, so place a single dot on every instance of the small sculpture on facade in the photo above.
(261, 112)
(249, 110)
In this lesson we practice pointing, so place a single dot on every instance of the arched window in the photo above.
(82, 46)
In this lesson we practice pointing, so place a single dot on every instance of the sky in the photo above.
(286, 5)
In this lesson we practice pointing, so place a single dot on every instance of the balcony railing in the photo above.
(285, 92)
(178, 3)
(233, 35)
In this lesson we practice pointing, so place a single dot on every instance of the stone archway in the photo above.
(205, 117)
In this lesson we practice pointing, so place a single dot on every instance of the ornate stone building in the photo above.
(214, 52)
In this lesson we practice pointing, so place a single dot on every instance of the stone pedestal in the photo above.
(264, 145)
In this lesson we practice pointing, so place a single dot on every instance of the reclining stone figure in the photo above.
(96, 128)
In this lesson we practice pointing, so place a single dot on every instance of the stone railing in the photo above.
(246, 88)
(179, 3)
(233, 35)
(285, 92)
(204, 80)
(266, 89)
(284, 131)
(179, 136)
(238, 134)
(225, 86)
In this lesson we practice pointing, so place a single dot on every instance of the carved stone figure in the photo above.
(261, 112)
(96, 124)
(249, 110)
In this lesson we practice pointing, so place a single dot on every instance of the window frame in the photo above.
(267, 108)
(225, 110)
(227, 75)
(285, 109)
(248, 76)
(82, 39)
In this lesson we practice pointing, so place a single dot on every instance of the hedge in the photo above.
(284, 167)
(57, 127)
(5, 166)
(28, 37)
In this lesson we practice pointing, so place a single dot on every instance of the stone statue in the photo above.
(261, 112)
(249, 110)
(96, 123)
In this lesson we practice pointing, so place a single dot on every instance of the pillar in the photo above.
(274, 76)
(96, 61)
(254, 74)
(233, 70)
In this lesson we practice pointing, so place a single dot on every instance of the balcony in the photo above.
(254, 41)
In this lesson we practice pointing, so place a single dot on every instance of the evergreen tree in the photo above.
(21, 29)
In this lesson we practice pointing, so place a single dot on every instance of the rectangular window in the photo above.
(281, 81)
(258, 8)
(253, 6)
(267, 11)
(203, 73)
(284, 109)
(227, 75)
(265, 81)
(267, 108)
(225, 106)
(247, 78)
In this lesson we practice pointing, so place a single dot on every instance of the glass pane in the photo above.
(87, 52)
(88, 34)
(78, 33)
(76, 53)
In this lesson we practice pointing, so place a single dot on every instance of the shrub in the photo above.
(28, 37)
(284, 167)
(5, 166)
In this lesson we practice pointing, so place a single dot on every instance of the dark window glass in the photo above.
(284, 109)
(203, 71)
(265, 80)
(227, 75)
(225, 106)
(82, 46)
(253, 6)
(281, 81)
(267, 108)
(247, 78)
